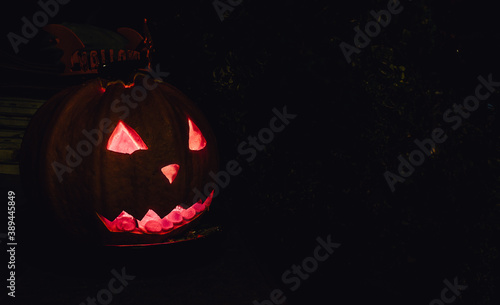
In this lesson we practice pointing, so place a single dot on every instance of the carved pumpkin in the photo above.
(119, 160)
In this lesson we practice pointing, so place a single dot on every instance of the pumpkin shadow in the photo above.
(85, 260)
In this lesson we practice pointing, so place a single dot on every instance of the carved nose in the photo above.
(170, 171)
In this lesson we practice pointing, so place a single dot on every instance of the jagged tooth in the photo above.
(123, 222)
(151, 215)
(124, 214)
(174, 216)
(126, 224)
(145, 225)
(166, 224)
(152, 223)
(153, 226)
(198, 207)
(208, 201)
(188, 214)
(178, 208)
(110, 225)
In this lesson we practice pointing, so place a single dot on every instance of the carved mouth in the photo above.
(152, 223)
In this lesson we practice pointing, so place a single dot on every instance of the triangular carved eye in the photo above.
(196, 139)
(125, 140)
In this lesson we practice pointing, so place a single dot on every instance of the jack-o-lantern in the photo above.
(119, 160)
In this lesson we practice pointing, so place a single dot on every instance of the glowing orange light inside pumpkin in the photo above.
(125, 140)
(152, 223)
(196, 139)
(170, 171)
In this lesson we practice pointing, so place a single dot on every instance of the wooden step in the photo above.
(8, 133)
(15, 115)
(9, 168)
(19, 106)
(9, 149)
(14, 122)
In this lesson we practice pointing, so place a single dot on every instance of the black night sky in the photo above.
(312, 217)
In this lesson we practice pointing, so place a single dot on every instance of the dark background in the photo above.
(324, 173)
